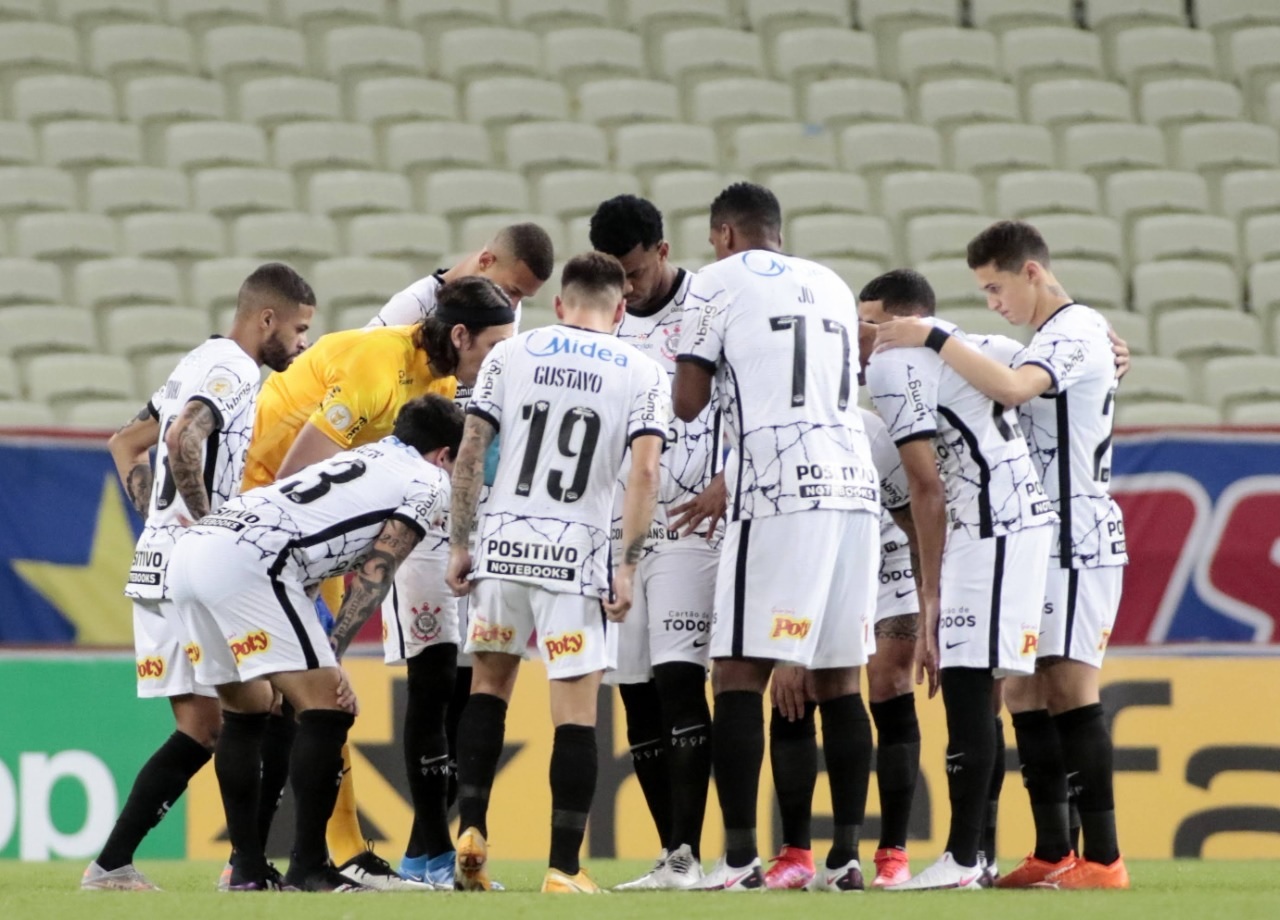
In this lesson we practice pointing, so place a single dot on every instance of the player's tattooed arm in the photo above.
(130, 449)
(372, 581)
(902, 517)
(468, 479)
(185, 440)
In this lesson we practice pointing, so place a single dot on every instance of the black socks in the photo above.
(737, 743)
(988, 846)
(1089, 755)
(574, 766)
(238, 763)
(277, 745)
(971, 749)
(315, 772)
(1045, 776)
(426, 748)
(846, 745)
(649, 751)
(480, 734)
(793, 758)
(687, 717)
(897, 766)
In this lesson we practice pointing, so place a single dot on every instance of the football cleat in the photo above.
(845, 878)
(557, 882)
(471, 868)
(372, 871)
(945, 873)
(648, 881)
(224, 878)
(1032, 872)
(892, 867)
(725, 877)
(124, 878)
(269, 880)
(681, 872)
(326, 879)
(791, 868)
(1083, 874)
(990, 871)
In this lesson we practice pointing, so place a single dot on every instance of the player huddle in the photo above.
(675, 475)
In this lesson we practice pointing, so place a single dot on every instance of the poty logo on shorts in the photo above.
(787, 625)
(151, 668)
(253, 643)
(194, 653)
(1102, 642)
(564, 644)
(485, 633)
(1030, 643)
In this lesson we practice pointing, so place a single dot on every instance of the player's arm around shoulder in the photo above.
(130, 449)
(373, 579)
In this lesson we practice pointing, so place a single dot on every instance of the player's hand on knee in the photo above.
(790, 689)
(458, 572)
(346, 695)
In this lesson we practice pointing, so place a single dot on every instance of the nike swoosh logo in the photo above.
(901, 594)
(951, 645)
(954, 756)
(700, 643)
(730, 882)
(685, 731)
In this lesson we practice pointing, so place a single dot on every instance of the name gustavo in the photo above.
(569, 377)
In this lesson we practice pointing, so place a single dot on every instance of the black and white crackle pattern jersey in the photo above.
(781, 336)
(323, 521)
(692, 454)
(220, 374)
(895, 553)
(567, 402)
(991, 483)
(1073, 419)
(414, 304)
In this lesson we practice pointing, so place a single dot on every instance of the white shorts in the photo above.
(670, 618)
(421, 610)
(896, 595)
(165, 655)
(799, 588)
(246, 621)
(1079, 612)
(570, 628)
(992, 592)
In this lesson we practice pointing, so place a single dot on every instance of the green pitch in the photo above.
(1162, 891)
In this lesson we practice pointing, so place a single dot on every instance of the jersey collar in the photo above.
(671, 295)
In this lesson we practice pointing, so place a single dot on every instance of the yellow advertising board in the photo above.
(1197, 770)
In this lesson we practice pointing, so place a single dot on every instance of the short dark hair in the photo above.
(1010, 244)
(530, 244)
(593, 273)
(430, 422)
(751, 208)
(625, 222)
(274, 281)
(474, 302)
(902, 292)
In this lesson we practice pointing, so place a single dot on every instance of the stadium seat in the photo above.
(200, 16)
(1111, 17)
(1103, 149)
(154, 103)
(538, 147)
(231, 191)
(889, 19)
(735, 101)
(17, 144)
(907, 194)
(21, 10)
(1193, 336)
(488, 51)
(22, 414)
(1225, 17)
(27, 189)
(9, 386)
(205, 144)
(1262, 238)
(667, 15)
(611, 103)
(954, 289)
(65, 236)
(1019, 194)
(129, 189)
(689, 56)
(577, 230)
(1160, 286)
(878, 150)
(692, 242)
(810, 192)
(152, 371)
(1163, 52)
(991, 151)
(1185, 237)
(546, 15)
(1253, 63)
(853, 272)
(765, 149)
(1249, 192)
(1000, 16)
(1170, 104)
(479, 231)
(136, 331)
(356, 316)
(124, 52)
(1143, 192)
(1164, 414)
(60, 379)
(387, 101)
(79, 144)
(815, 236)
(1266, 413)
(681, 192)
(354, 280)
(1273, 104)
(273, 101)
(577, 56)
(86, 15)
(1230, 381)
(350, 192)
(438, 16)
(501, 101)
(1219, 147)
(110, 283)
(1083, 236)
(1030, 56)
(944, 53)
(100, 414)
(574, 192)
(239, 53)
(1155, 378)
(29, 331)
(1264, 297)
(30, 281)
(285, 237)
(649, 148)
(306, 147)
(804, 56)
(1059, 104)
(34, 48)
(216, 282)
(458, 193)
(1133, 328)
(768, 18)
(949, 104)
(419, 148)
(851, 100)
(173, 236)
(317, 17)
(55, 97)
(942, 236)
(355, 53)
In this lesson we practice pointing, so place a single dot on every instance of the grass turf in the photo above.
(1167, 890)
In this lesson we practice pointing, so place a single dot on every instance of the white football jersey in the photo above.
(991, 484)
(895, 553)
(1073, 419)
(692, 454)
(323, 521)
(220, 374)
(781, 336)
(415, 303)
(567, 403)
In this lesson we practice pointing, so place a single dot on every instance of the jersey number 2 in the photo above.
(536, 414)
(797, 325)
